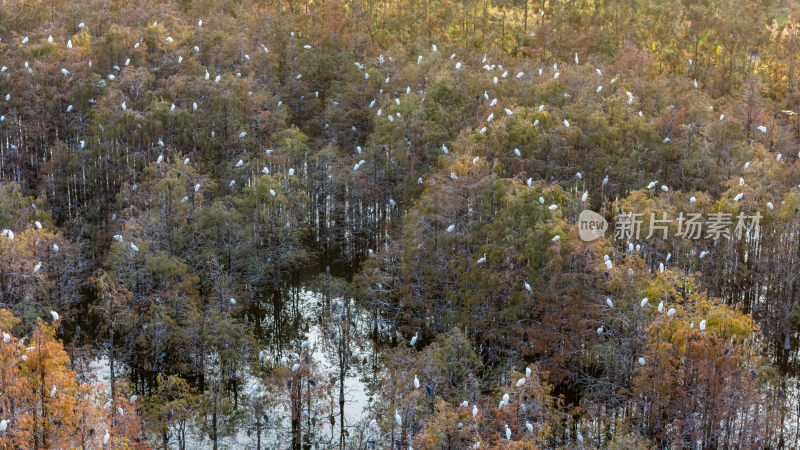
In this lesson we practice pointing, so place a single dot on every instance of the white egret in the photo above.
(641, 361)
(482, 259)
(451, 228)
(520, 382)
(106, 438)
(37, 267)
(508, 432)
(671, 312)
(414, 339)
(416, 382)
(702, 325)
(553, 207)
(643, 303)
(134, 247)
(54, 316)
(609, 302)
(528, 287)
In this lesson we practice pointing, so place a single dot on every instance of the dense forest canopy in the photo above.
(329, 224)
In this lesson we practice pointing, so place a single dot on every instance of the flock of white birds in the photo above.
(496, 74)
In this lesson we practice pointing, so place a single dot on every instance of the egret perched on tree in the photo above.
(703, 254)
(397, 419)
(641, 361)
(528, 287)
(671, 312)
(54, 316)
(661, 306)
(451, 228)
(520, 382)
(416, 382)
(37, 267)
(609, 302)
(295, 367)
(482, 259)
(474, 410)
(6, 337)
(106, 438)
(414, 339)
(134, 247)
(508, 432)
(702, 325)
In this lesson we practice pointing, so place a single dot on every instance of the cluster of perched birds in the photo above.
(496, 74)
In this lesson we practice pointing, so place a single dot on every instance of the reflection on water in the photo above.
(282, 328)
